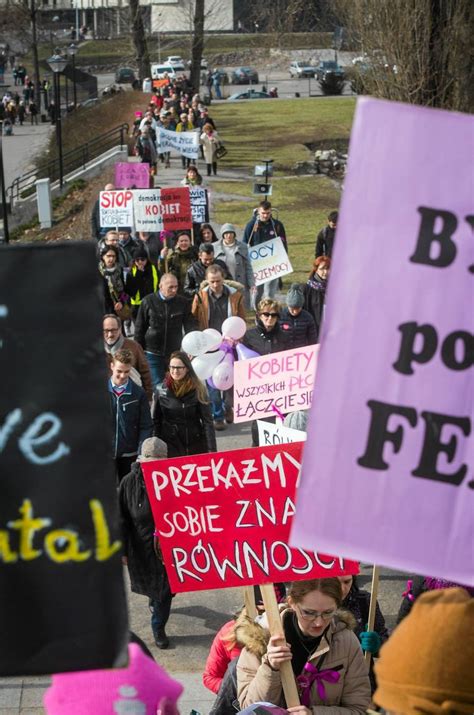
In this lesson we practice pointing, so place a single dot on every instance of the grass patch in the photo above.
(301, 203)
(279, 130)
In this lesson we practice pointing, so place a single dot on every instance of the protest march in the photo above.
(202, 442)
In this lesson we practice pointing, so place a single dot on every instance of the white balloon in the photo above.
(223, 376)
(234, 327)
(204, 364)
(214, 338)
(195, 343)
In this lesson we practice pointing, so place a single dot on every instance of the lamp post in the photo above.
(6, 235)
(72, 52)
(58, 64)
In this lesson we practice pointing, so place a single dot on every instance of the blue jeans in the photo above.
(160, 612)
(157, 365)
(217, 404)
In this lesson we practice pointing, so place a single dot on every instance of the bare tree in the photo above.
(142, 56)
(197, 46)
(19, 19)
(416, 51)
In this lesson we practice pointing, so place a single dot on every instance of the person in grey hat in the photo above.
(295, 321)
(235, 255)
(141, 546)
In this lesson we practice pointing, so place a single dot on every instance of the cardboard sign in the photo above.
(176, 208)
(185, 143)
(392, 429)
(62, 593)
(270, 433)
(116, 208)
(224, 519)
(284, 380)
(269, 261)
(199, 204)
(134, 175)
(147, 209)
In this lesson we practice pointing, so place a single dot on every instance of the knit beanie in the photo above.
(139, 688)
(426, 666)
(297, 420)
(139, 252)
(295, 297)
(153, 448)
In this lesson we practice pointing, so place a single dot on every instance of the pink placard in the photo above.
(132, 176)
(390, 435)
(282, 380)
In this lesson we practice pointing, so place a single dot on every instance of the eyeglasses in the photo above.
(177, 367)
(111, 330)
(314, 615)
(270, 315)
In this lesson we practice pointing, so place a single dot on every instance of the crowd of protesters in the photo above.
(157, 287)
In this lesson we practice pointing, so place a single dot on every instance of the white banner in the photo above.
(269, 260)
(147, 207)
(116, 208)
(185, 143)
(269, 433)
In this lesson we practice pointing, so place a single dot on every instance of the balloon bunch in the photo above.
(213, 352)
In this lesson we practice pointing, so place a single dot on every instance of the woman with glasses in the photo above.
(267, 337)
(318, 641)
(182, 415)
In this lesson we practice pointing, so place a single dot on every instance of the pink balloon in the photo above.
(223, 376)
(210, 382)
(229, 358)
(244, 353)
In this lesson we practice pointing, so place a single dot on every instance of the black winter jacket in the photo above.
(196, 273)
(161, 324)
(184, 423)
(141, 282)
(257, 231)
(325, 242)
(301, 329)
(131, 419)
(315, 298)
(264, 342)
(147, 572)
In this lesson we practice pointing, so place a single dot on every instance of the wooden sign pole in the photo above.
(373, 606)
(249, 602)
(276, 628)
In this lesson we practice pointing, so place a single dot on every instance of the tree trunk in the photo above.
(198, 44)
(142, 56)
(34, 49)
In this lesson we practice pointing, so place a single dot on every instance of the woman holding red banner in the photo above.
(325, 654)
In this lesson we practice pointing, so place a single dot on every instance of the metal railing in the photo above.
(24, 186)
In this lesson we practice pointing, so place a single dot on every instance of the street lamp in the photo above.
(72, 52)
(58, 64)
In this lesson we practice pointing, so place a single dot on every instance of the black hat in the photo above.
(139, 252)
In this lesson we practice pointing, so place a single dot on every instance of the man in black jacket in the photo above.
(325, 239)
(196, 272)
(163, 319)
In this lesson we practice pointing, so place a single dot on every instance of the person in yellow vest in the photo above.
(142, 278)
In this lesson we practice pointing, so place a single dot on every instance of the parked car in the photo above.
(301, 69)
(249, 94)
(162, 71)
(326, 67)
(203, 63)
(244, 75)
(125, 75)
(174, 60)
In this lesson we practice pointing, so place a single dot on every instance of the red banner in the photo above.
(224, 519)
(176, 208)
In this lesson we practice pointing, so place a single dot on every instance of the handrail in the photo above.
(23, 186)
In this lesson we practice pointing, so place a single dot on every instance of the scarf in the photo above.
(317, 283)
(112, 349)
(179, 388)
(114, 279)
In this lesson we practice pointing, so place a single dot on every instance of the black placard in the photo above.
(62, 600)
